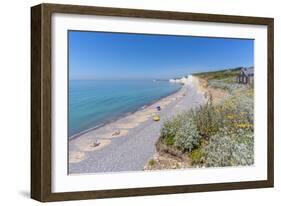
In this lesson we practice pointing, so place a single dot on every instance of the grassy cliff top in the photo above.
(221, 74)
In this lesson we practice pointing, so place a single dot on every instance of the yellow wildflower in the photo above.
(230, 116)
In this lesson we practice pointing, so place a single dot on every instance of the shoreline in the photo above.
(129, 142)
(139, 109)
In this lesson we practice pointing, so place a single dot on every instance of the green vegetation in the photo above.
(228, 148)
(181, 132)
(215, 135)
(197, 156)
(217, 75)
(151, 162)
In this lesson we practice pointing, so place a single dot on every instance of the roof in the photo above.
(249, 71)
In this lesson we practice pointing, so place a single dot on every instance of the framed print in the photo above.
(128, 102)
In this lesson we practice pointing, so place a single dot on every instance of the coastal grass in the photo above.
(217, 75)
(216, 135)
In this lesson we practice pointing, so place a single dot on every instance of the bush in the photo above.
(151, 162)
(208, 120)
(239, 111)
(230, 149)
(187, 137)
(197, 156)
(234, 112)
(169, 129)
(181, 131)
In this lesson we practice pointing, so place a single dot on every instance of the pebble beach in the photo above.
(127, 143)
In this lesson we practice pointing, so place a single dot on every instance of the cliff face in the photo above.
(183, 80)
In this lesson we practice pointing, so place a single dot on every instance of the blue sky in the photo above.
(100, 55)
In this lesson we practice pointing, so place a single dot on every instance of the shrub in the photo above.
(197, 156)
(208, 120)
(239, 110)
(169, 129)
(181, 131)
(151, 162)
(187, 137)
(169, 140)
(230, 149)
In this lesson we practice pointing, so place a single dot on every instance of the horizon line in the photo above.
(151, 78)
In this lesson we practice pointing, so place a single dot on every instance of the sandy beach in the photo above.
(129, 142)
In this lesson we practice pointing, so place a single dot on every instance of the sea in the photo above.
(93, 103)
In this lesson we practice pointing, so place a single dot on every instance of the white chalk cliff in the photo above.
(183, 80)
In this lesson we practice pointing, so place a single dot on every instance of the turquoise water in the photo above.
(95, 102)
